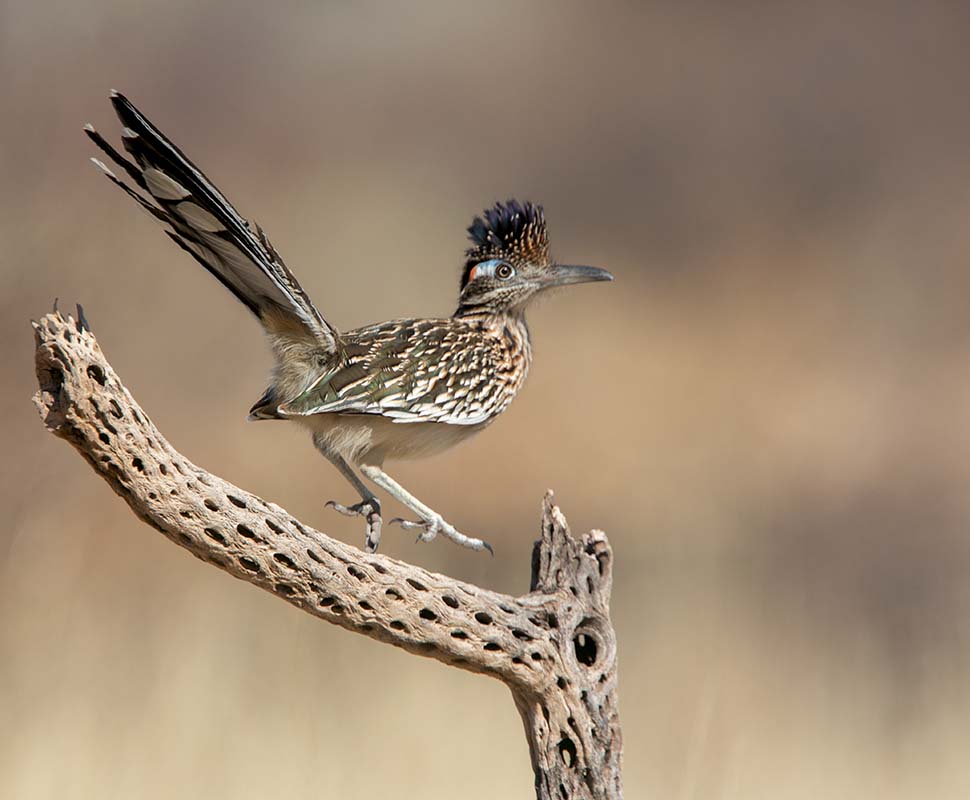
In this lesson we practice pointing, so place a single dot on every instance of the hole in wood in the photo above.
(567, 752)
(274, 527)
(285, 589)
(449, 601)
(394, 594)
(417, 585)
(428, 614)
(213, 534)
(284, 559)
(483, 617)
(250, 564)
(356, 573)
(492, 646)
(96, 373)
(104, 437)
(245, 530)
(138, 464)
(586, 648)
(236, 501)
(212, 505)
(397, 625)
(365, 605)
(459, 635)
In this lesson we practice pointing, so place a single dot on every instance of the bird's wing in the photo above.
(416, 371)
(205, 224)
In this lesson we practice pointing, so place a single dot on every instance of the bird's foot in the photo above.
(434, 524)
(370, 510)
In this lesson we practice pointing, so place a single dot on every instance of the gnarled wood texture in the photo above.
(554, 647)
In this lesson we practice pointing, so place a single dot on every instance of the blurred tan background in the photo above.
(768, 412)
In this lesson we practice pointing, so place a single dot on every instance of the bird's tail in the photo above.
(205, 224)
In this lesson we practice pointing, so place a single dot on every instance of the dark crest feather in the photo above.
(512, 230)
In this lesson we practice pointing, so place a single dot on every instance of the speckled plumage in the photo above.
(397, 389)
(457, 371)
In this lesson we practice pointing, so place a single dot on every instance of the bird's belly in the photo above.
(371, 438)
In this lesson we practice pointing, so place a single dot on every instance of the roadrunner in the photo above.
(401, 389)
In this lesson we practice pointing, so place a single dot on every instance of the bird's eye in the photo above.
(504, 271)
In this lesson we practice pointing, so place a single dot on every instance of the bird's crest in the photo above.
(512, 230)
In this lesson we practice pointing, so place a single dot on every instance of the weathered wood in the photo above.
(554, 647)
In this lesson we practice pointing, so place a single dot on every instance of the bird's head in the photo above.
(508, 262)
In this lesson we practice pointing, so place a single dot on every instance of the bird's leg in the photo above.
(369, 506)
(431, 523)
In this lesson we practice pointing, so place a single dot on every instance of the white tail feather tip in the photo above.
(162, 186)
(100, 165)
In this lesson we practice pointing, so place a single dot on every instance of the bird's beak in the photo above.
(564, 274)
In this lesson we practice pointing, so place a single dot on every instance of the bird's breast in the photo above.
(370, 438)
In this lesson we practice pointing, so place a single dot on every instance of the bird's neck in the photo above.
(493, 318)
(510, 326)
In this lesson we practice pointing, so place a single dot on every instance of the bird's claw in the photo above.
(356, 510)
(430, 528)
(370, 510)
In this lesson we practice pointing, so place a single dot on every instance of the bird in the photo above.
(405, 388)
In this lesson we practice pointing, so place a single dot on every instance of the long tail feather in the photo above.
(205, 224)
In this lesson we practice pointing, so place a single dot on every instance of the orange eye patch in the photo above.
(486, 269)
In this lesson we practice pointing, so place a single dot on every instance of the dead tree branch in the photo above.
(553, 647)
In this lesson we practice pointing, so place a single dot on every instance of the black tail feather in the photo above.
(206, 225)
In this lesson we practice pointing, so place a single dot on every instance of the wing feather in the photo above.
(419, 371)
